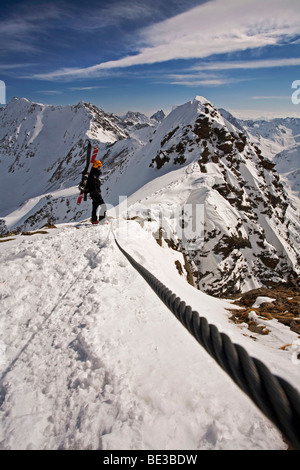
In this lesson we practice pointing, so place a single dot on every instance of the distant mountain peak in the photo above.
(158, 116)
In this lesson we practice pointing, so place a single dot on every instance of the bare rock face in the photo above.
(281, 302)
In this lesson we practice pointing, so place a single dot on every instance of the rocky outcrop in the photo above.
(246, 241)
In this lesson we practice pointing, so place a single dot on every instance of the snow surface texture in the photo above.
(91, 358)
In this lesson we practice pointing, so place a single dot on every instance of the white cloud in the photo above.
(275, 97)
(216, 27)
(200, 79)
(4, 67)
(84, 88)
(207, 82)
(254, 64)
(19, 30)
(49, 92)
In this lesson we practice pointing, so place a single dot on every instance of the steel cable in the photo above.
(275, 397)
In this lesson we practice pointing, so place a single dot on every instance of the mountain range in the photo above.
(242, 176)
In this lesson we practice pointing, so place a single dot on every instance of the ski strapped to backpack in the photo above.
(90, 161)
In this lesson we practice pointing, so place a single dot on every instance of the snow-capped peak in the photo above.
(158, 116)
(193, 156)
(247, 241)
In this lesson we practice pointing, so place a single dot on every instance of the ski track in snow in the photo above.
(91, 358)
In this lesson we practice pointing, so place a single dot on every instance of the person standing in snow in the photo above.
(93, 188)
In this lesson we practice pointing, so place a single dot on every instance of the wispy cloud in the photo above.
(275, 97)
(84, 88)
(199, 79)
(49, 92)
(207, 82)
(215, 27)
(5, 67)
(112, 14)
(18, 32)
(254, 64)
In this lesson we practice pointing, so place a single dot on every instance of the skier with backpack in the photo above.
(90, 184)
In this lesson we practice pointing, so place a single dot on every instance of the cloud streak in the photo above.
(254, 64)
(200, 79)
(19, 32)
(275, 97)
(216, 27)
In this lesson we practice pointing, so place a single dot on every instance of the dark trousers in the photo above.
(97, 201)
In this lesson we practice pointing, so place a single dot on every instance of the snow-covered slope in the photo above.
(207, 162)
(279, 140)
(288, 165)
(43, 151)
(92, 359)
(42, 148)
(275, 135)
(249, 232)
(141, 127)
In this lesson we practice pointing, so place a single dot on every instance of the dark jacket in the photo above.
(93, 185)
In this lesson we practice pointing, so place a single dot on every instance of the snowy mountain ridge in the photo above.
(42, 147)
(90, 358)
(193, 157)
(199, 158)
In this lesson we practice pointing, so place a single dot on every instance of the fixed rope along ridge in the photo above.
(274, 396)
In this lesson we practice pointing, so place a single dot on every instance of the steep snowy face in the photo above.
(288, 165)
(158, 116)
(274, 135)
(279, 140)
(246, 240)
(134, 118)
(42, 148)
(140, 126)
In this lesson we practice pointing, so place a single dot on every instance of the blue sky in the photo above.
(146, 55)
